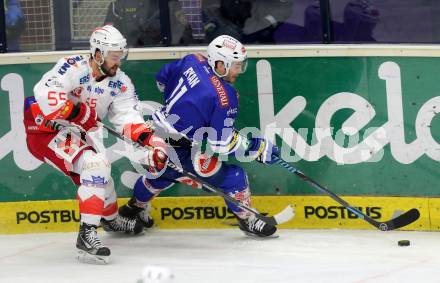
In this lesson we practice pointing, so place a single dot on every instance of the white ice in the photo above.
(227, 255)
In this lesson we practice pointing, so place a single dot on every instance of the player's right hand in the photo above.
(86, 117)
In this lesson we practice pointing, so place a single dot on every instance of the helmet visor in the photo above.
(240, 66)
(117, 56)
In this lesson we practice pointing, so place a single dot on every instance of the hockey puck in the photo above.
(403, 243)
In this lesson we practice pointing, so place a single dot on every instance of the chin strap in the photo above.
(99, 64)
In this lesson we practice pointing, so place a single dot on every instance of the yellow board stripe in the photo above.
(312, 212)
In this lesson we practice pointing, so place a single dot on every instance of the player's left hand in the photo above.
(157, 157)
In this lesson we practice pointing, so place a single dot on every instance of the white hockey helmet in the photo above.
(108, 38)
(227, 49)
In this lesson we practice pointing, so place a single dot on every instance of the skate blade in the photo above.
(124, 234)
(261, 238)
(232, 224)
(85, 257)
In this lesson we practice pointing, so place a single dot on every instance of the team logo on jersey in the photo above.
(221, 92)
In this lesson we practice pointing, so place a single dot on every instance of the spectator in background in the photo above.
(198, 22)
(228, 19)
(309, 31)
(312, 22)
(192, 11)
(138, 20)
(266, 16)
(360, 19)
(251, 21)
(15, 24)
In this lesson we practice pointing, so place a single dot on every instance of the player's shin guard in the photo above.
(94, 171)
(110, 210)
(91, 204)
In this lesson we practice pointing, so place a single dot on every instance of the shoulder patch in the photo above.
(221, 92)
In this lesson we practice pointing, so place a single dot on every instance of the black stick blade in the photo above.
(400, 221)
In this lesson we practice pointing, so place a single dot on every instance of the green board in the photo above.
(358, 125)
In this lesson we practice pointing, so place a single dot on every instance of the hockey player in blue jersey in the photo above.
(200, 101)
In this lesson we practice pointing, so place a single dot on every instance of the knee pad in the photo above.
(233, 179)
(94, 169)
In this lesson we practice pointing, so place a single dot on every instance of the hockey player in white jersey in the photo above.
(77, 91)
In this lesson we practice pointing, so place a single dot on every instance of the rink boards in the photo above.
(386, 89)
(312, 212)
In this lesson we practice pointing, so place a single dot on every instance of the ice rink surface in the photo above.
(227, 255)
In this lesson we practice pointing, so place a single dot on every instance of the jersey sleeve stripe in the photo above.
(235, 140)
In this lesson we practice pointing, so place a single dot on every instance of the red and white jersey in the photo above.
(72, 79)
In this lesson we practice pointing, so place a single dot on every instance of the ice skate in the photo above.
(90, 248)
(122, 224)
(252, 226)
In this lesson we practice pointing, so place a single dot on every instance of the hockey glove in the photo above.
(156, 156)
(262, 150)
(83, 116)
